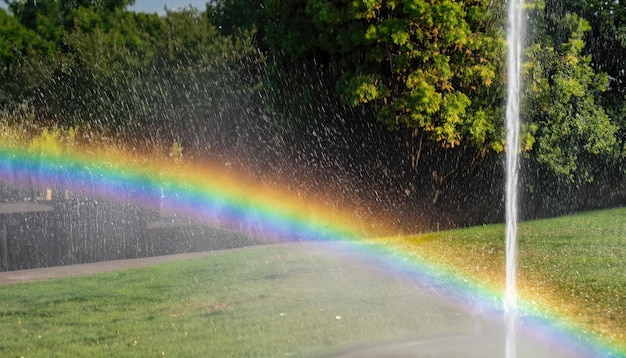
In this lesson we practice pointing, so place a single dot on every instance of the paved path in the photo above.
(13, 277)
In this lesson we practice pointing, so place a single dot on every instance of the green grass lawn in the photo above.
(574, 265)
(276, 300)
(300, 299)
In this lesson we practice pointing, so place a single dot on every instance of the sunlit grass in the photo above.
(573, 266)
(268, 301)
(300, 300)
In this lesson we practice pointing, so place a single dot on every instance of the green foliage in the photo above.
(46, 18)
(433, 70)
(419, 64)
(48, 143)
(359, 89)
(240, 17)
(573, 135)
(16, 39)
(52, 142)
(606, 40)
(438, 67)
(289, 30)
(15, 124)
(104, 67)
(20, 52)
(176, 152)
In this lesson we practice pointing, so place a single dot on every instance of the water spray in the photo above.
(514, 43)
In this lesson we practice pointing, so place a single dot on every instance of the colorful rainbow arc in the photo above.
(538, 321)
(210, 194)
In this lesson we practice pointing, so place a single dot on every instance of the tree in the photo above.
(430, 70)
(22, 51)
(94, 64)
(606, 38)
(571, 138)
(561, 105)
(430, 66)
(239, 18)
(44, 17)
(605, 44)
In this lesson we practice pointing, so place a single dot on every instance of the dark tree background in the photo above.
(393, 106)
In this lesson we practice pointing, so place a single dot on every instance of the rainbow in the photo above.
(212, 194)
(537, 321)
(206, 193)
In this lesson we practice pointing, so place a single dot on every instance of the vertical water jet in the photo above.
(514, 44)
